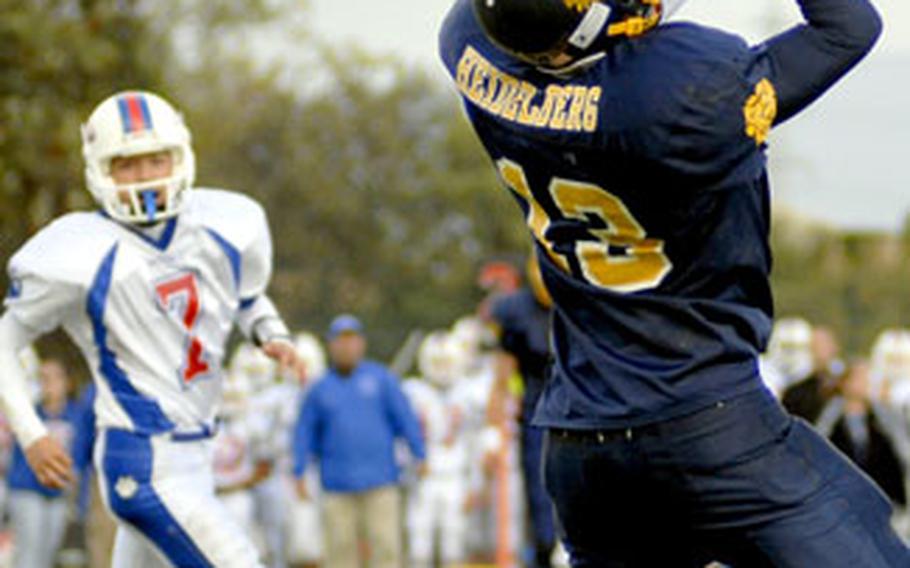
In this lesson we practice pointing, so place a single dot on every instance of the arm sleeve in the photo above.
(303, 441)
(14, 396)
(260, 322)
(809, 58)
(256, 259)
(404, 420)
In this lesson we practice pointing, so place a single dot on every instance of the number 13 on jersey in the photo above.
(618, 257)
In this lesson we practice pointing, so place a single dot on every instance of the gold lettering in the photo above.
(513, 102)
(507, 91)
(528, 115)
(573, 123)
(560, 98)
(592, 109)
(494, 87)
(463, 73)
(475, 88)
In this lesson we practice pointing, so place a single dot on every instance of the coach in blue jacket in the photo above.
(349, 422)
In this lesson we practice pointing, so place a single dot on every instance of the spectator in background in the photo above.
(349, 421)
(869, 433)
(37, 513)
(808, 397)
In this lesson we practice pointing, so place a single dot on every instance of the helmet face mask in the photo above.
(131, 124)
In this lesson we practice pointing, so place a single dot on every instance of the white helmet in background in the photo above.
(890, 363)
(310, 349)
(790, 349)
(471, 335)
(236, 395)
(439, 359)
(128, 124)
(251, 364)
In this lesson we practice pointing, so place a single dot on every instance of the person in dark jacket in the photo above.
(808, 397)
(869, 433)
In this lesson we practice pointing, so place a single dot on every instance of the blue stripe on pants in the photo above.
(127, 466)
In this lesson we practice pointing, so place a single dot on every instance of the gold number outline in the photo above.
(643, 266)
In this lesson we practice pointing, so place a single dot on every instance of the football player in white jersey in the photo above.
(148, 288)
(272, 409)
(238, 463)
(439, 500)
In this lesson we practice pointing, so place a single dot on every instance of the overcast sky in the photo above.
(843, 162)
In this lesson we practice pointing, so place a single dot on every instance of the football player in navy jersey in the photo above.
(636, 150)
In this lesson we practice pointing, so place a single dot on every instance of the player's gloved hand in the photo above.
(50, 462)
(286, 356)
(302, 492)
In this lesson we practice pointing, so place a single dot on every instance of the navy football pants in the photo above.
(540, 509)
(741, 482)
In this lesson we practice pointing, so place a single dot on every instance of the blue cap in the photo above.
(344, 323)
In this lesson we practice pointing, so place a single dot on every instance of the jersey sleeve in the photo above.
(256, 263)
(240, 226)
(805, 61)
(45, 280)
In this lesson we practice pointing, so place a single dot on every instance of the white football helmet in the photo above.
(310, 350)
(890, 364)
(790, 349)
(439, 359)
(471, 335)
(235, 396)
(249, 363)
(128, 124)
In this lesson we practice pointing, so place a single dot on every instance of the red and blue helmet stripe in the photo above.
(134, 113)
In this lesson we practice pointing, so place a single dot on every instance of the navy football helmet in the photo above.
(536, 30)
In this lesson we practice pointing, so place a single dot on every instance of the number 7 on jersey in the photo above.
(180, 296)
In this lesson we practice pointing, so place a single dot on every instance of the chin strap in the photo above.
(637, 25)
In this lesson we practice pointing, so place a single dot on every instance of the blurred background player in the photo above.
(473, 339)
(805, 394)
(304, 530)
(349, 422)
(523, 321)
(890, 366)
(271, 413)
(436, 508)
(39, 514)
(788, 359)
(239, 462)
(149, 289)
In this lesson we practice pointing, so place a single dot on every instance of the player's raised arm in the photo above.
(47, 458)
(812, 56)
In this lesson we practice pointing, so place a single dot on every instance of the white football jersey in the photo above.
(236, 451)
(150, 314)
(443, 417)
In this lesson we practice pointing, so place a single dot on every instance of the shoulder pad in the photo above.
(68, 250)
(236, 217)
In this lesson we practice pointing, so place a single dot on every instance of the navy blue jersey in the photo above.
(642, 179)
(524, 330)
